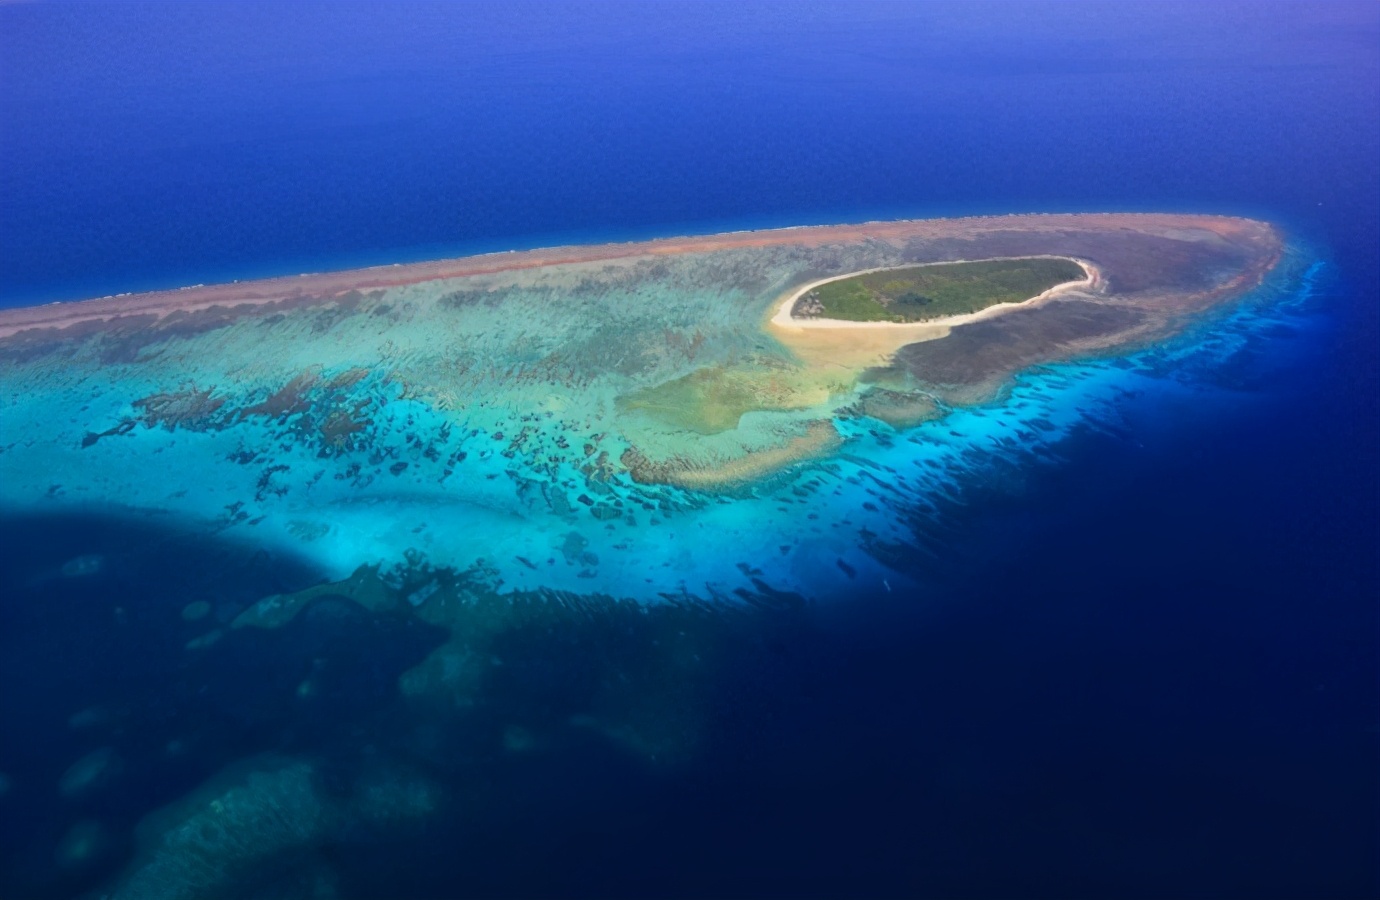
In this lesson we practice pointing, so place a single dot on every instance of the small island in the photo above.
(926, 292)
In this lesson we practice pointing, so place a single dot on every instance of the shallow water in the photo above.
(1115, 631)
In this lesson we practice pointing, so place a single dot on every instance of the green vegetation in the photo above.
(918, 293)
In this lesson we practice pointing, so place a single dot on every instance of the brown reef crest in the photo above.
(241, 298)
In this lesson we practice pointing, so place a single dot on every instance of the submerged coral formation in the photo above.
(248, 831)
(489, 407)
(575, 497)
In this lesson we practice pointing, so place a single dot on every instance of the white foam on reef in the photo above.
(875, 489)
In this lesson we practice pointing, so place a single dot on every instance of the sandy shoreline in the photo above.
(782, 317)
(847, 347)
(330, 284)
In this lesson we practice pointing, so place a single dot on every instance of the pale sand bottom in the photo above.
(819, 439)
(839, 351)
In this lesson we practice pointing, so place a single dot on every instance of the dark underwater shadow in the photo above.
(1099, 696)
(125, 689)
(1103, 697)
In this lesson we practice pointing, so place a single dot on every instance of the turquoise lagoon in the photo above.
(476, 429)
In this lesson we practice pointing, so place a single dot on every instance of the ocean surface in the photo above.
(1139, 660)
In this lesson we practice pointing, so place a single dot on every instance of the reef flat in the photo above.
(637, 419)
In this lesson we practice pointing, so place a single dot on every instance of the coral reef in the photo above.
(248, 831)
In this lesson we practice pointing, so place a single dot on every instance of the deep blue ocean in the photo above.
(1150, 672)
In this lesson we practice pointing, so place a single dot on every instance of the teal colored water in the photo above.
(449, 585)
(1108, 634)
(495, 425)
